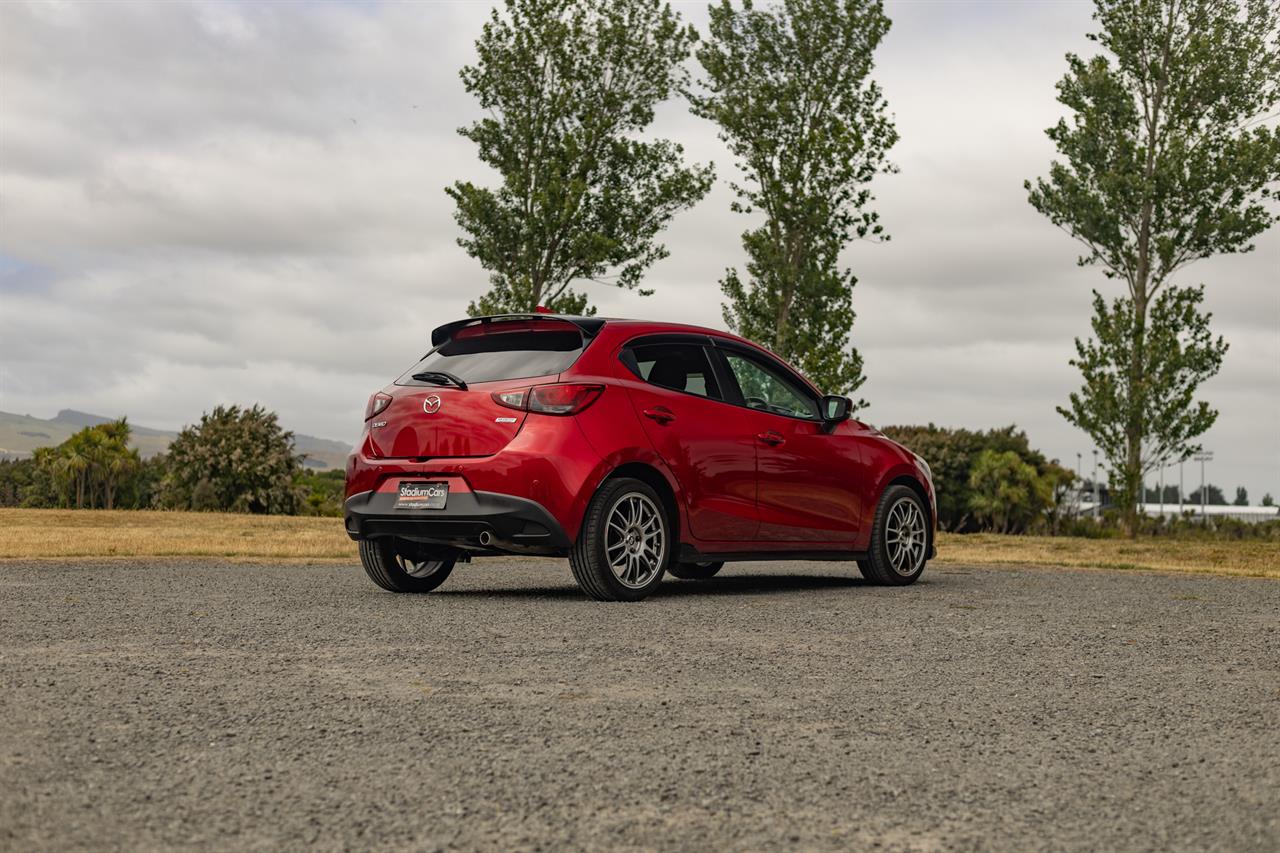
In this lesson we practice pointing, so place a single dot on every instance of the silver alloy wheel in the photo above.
(635, 543)
(905, 537)
(418, 568)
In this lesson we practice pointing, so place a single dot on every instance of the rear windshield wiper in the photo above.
(439, 377)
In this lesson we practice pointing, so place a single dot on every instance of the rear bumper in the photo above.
(483, 522)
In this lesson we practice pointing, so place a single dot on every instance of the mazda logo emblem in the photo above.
(431, 405)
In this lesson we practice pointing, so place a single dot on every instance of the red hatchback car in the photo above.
(636, 449)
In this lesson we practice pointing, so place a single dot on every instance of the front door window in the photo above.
(767, 390)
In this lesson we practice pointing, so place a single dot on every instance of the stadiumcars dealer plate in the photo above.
(422, 495)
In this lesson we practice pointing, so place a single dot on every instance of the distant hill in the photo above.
(22, 434)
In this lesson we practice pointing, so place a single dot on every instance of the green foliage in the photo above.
(1005, 493)
(1166, 160)
(1170, 496)
(21, 480)
(143, 490)
(236, 460)
(1059, 484)
(87, 470)
(953, 454)
(1267, 500)
(321, 492)
(790, 88)
(1242, 496)
(1190, 527)
(568, 85)
(1212, 495)
(1178, 354)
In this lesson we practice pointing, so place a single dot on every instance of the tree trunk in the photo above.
(1140, 284)
(794, 254)
(1134, 429)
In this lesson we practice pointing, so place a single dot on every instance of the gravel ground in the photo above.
(780, 705)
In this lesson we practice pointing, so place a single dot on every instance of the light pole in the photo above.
(1181, 491)
(1079, 456)
(1097, 510)
(1203, 457)
(1161, 490)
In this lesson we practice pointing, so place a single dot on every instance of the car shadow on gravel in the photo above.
(754, 584)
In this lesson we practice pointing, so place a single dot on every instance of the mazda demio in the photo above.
(636, 449)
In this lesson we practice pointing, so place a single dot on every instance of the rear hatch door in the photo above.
(431, 417)
(434, 422)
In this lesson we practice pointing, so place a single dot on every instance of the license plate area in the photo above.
(422, 494)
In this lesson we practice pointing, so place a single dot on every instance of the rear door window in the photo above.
(678, 367)
(485, 354)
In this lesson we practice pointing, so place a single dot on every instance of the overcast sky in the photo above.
(220, 202)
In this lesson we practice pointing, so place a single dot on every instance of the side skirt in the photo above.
(690, 554)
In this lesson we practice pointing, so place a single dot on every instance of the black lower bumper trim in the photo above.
(509, 524)
(690, 554)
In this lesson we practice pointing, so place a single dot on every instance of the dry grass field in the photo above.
(70, 534)
(56, 533)
(1223, 557)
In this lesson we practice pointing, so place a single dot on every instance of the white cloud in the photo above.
(218, 202)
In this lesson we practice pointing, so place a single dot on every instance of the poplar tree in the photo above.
(1169, 153)
(568, 86)
(790, 87)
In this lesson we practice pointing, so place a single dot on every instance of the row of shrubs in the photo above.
(240, 460)
(1189, 526)
(235, 460)
(990, 480)
(994, 480)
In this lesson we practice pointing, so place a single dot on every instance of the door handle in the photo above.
(661, 414)
(772, 438)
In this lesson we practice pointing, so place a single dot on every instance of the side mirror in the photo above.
(835, 409)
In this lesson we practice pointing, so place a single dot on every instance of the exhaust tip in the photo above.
(485, 537)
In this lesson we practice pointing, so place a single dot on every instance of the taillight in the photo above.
(565, 399)
(511, 399)
(376, 404)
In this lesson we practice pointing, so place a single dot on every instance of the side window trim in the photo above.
(724, 375)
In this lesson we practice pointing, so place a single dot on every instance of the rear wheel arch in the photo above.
(625, 544)
(658, 482)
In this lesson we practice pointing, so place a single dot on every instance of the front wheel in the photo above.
(899, 539)
(403, 567)
(625, 543)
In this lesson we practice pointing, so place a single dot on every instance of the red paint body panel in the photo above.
(467, 430)
(549, 462)
(713, 464)
(810, 487)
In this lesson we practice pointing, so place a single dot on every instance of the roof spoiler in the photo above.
(589, 326)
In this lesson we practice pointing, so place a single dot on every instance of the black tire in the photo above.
(386, 561)
(588, 559)
(694, 571)
(880, 567)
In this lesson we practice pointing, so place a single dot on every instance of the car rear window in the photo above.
(477, 354)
